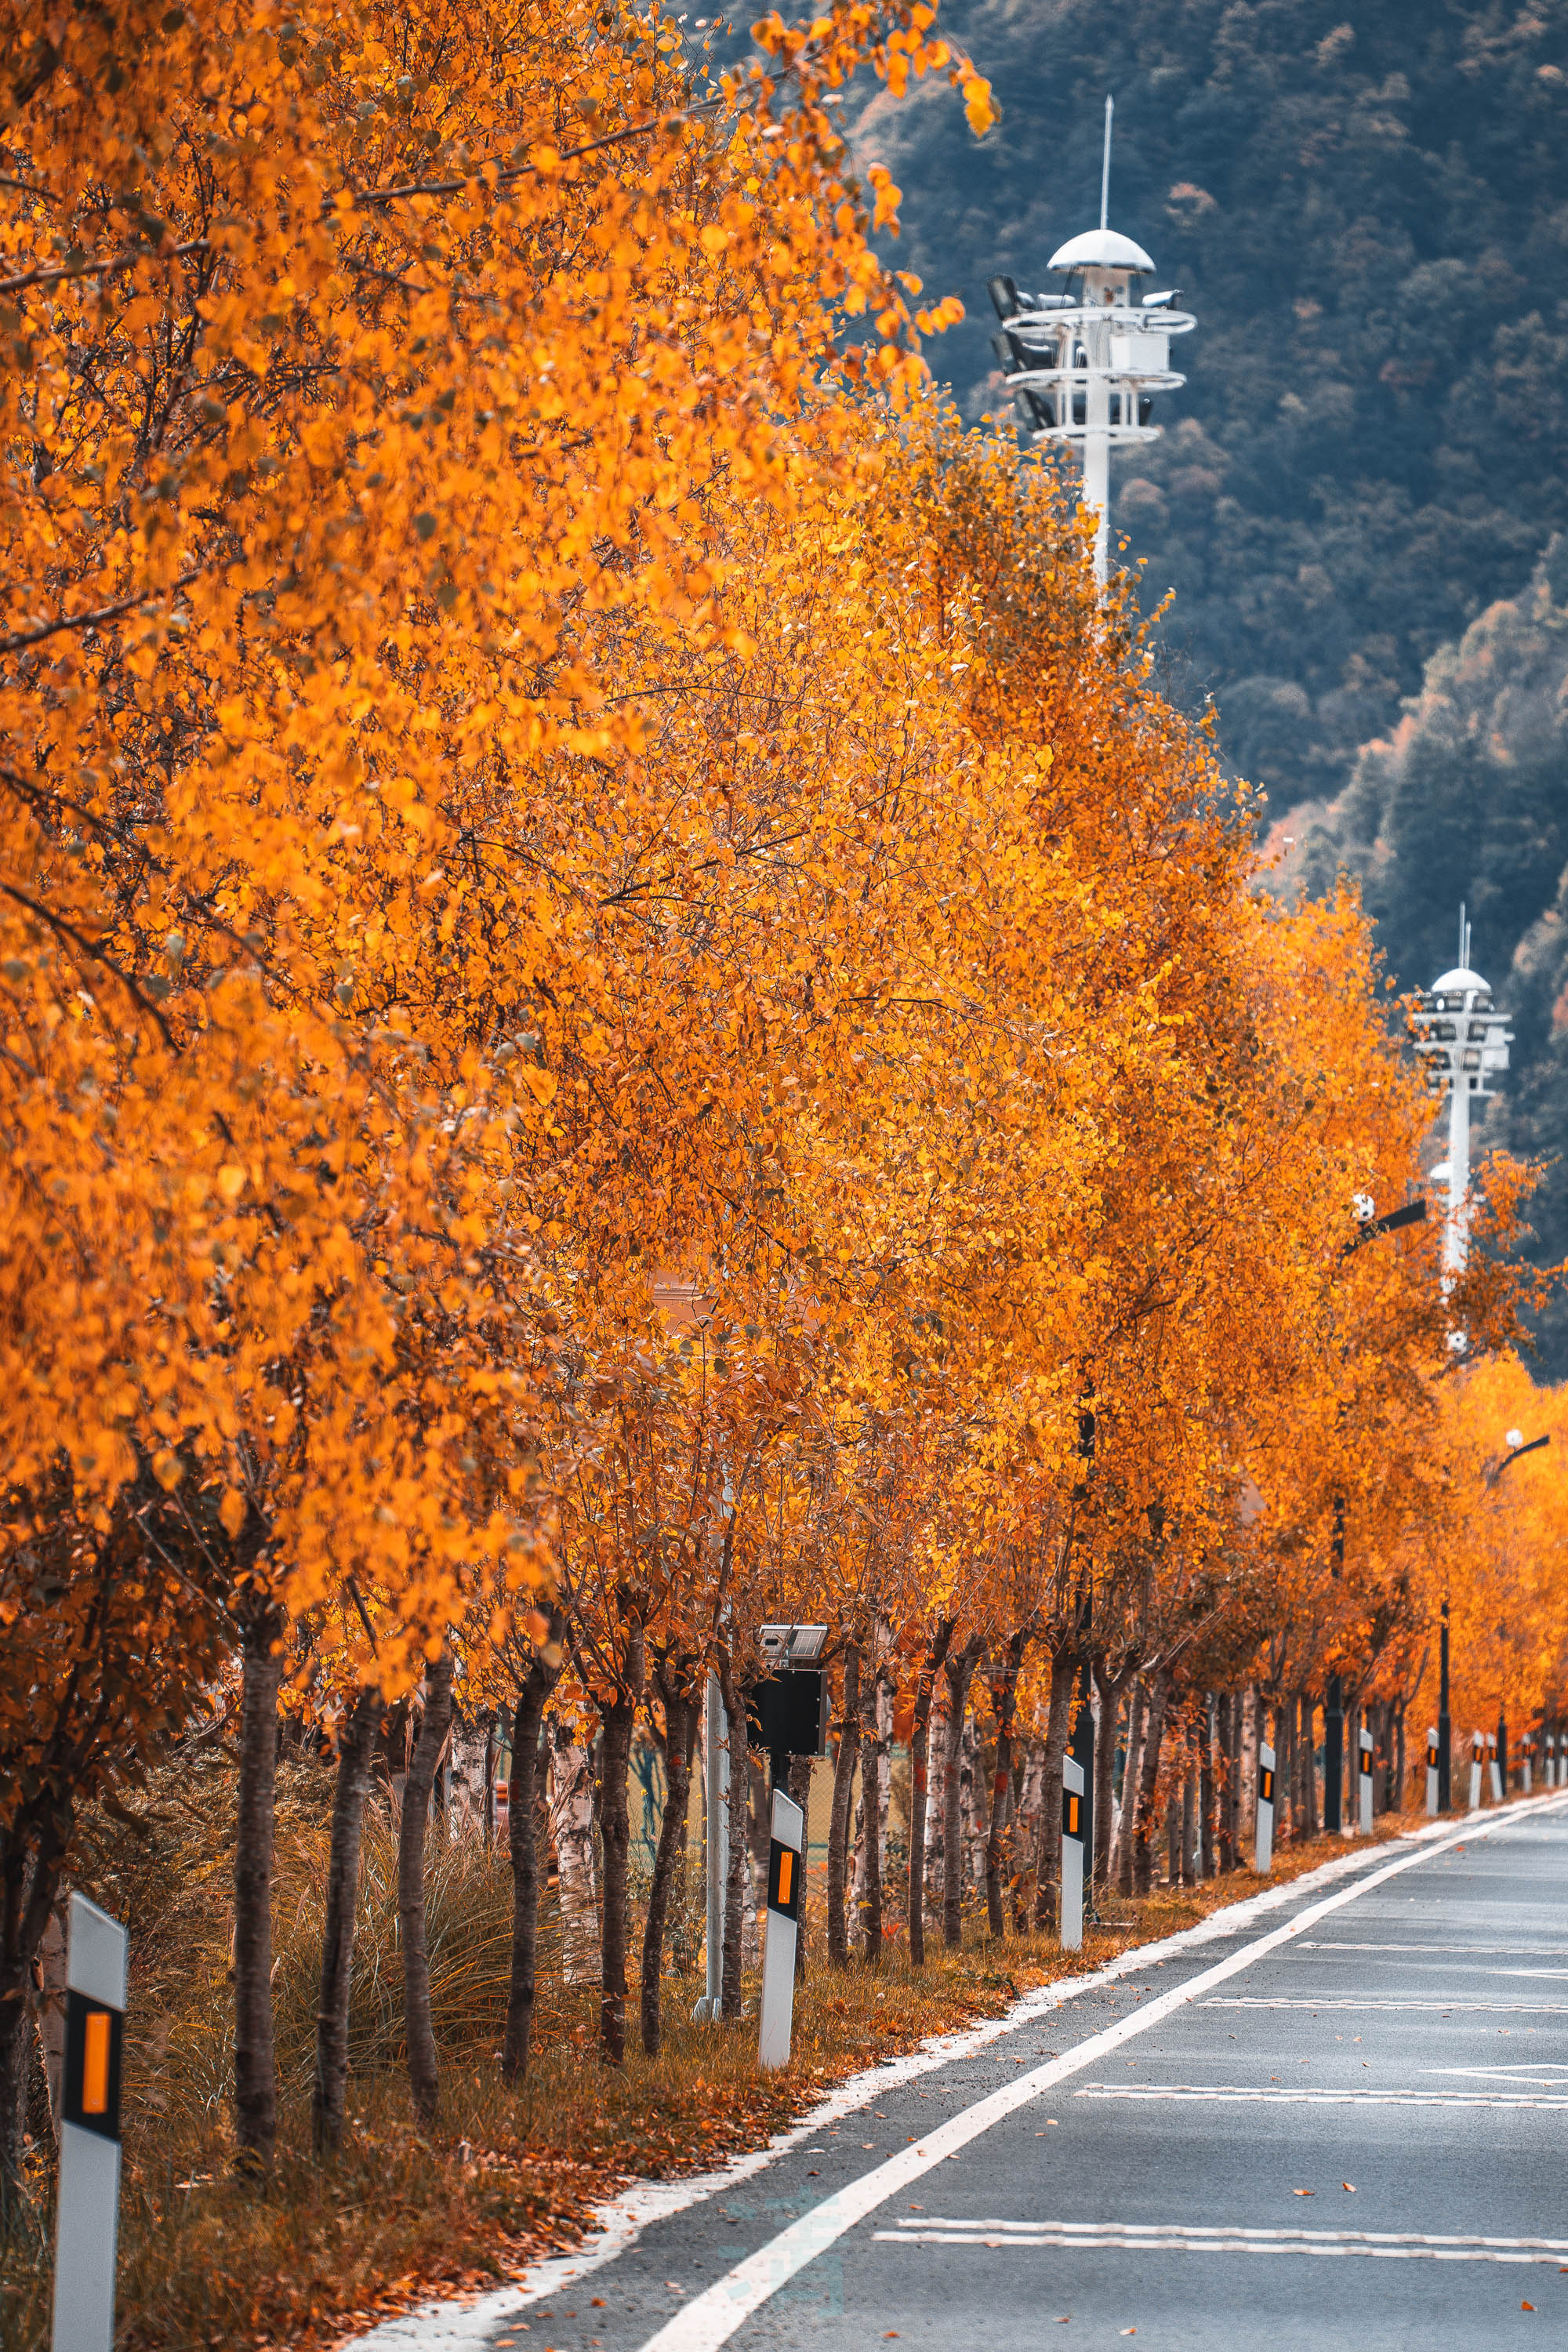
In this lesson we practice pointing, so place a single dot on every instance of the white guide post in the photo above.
(1549, 1762)
(88, 2217)
(1524, 1758)
(786, 1864)
(1263, 1847)
(716, 1777)
(1477, 1746)
(1365, 1782)
(1072, 1854)
(1432, 1770)
(1494, 1770)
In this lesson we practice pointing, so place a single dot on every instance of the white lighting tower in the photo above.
(1463, 1042)
(1084, 366)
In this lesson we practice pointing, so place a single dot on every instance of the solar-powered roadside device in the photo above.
(788, 1713)
(1263, 1843)
(1083, 365)
(87, 2206)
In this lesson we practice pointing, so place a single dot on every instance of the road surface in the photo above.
(1342, 2120)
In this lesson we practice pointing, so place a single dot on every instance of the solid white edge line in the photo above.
(711, 2318)
(466, 2323)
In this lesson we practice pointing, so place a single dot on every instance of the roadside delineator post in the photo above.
(1072, 1854)
(1432, 1769)
(786, 1870)
(1494, 1770)
(1365, 1782)
(1478, 1749)
(1549, 1762)
(1263, 1848)
(88, 2205)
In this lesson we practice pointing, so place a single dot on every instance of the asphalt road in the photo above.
(1341, 2121)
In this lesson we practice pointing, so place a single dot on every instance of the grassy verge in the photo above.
(320, 2253)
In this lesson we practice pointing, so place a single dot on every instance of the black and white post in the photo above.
(786, 1856)
(1433, 1800)
(1072, 1854)
(1263, 1845)
(87, 2215)
(1494, 1770)
(1365, 1782)
(1477, 1746)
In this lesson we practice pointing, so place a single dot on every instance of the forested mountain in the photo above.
(1369, 220)
(1369, 215)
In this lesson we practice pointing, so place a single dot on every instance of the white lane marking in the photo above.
(1448, 2008)
(1308, 2094)
(1538, 2070)
(1178, 2237)
(1476, 1968)
(1468, 1951)
(711, 2318)
(448, 2324)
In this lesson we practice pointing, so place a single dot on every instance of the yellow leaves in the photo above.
(978, 105)
(233, 1512)
(168, 1469)
(231, 1183)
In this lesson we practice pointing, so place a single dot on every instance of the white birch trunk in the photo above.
(572, 1829)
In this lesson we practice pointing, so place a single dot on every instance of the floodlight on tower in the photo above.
(1083, 366)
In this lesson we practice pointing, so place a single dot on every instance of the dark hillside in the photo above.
(1369, 220)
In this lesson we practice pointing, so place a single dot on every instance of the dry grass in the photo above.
(208, 2261)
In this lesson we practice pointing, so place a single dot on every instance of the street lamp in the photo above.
(1517, 1449)
(1368, 1228)
(1463, 1041)
(1083, 365)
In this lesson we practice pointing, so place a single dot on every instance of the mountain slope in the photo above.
(1370, 223)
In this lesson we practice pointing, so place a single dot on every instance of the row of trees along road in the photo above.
(542, 778)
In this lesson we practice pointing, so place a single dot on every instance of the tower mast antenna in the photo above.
(1105, 166)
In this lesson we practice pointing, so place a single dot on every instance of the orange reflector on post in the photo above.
(95, 2063)
(786, 1875)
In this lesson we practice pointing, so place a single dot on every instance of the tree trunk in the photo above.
(424, 2077)
(1206, 1793)
(925, 1690)
(522, 1848)
(875, 1701)
(838, 1823)
(1143, 1821)
(571, 1828)
(359, 1731)
(799, 1785)
(1110, 1687)
(1028, 1831)
(1131, 1766)
(614, 1829)
(677, 1684)
(936, 1827)
(958, 1673)
(1190, 1818)
(734, 1699)
(1048, 1853)
(1007, 1699)
(32, 1852)
(255, 2068)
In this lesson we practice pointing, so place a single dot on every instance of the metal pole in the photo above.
(1334, 1701)
(1455, 1239)
(716, 1777)
(1445, 1721)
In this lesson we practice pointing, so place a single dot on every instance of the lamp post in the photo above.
(1083, 365)
(1463, 1040)
(1517, 1449)
(1369, 1228)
